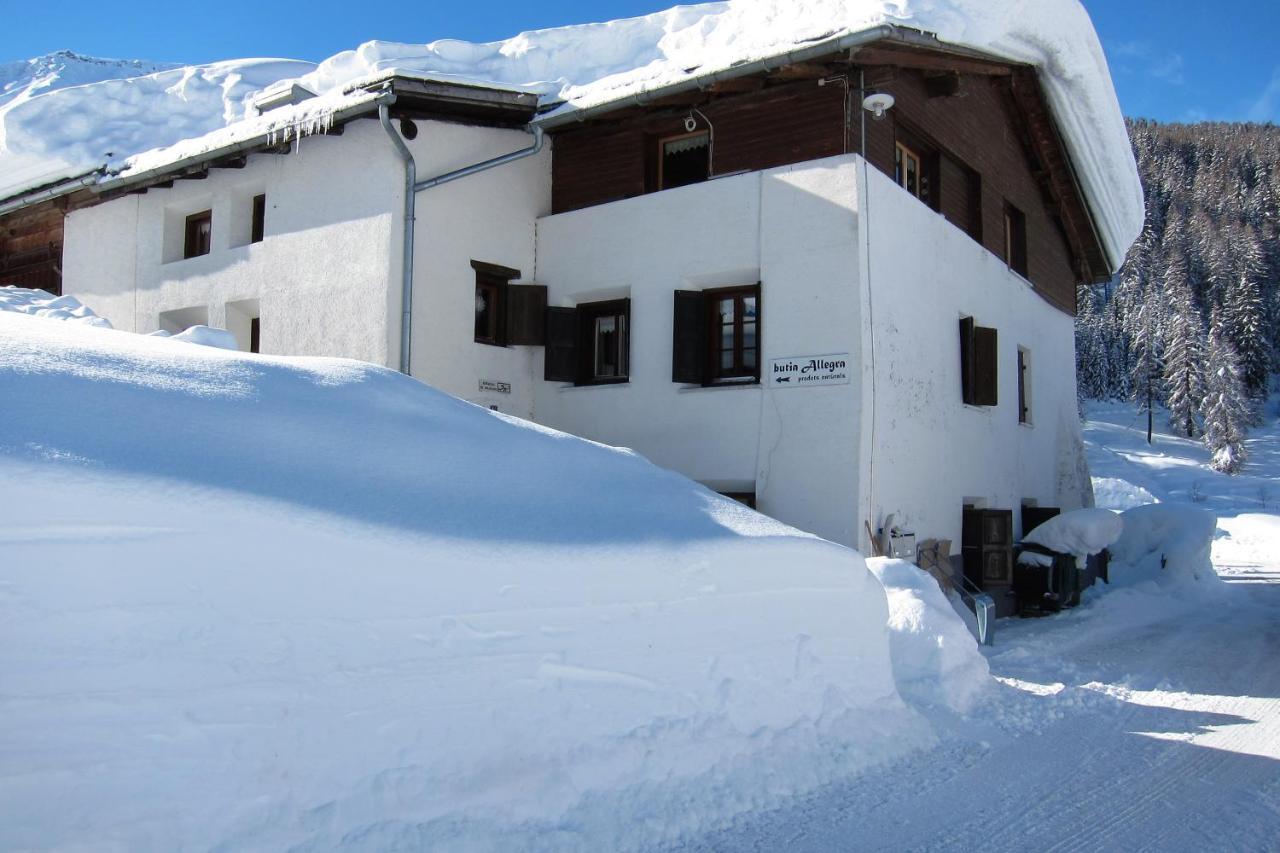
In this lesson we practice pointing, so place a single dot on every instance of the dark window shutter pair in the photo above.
(689, 343)
(560, 358)
(979, 358)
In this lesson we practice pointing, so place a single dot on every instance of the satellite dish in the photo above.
(877, 103)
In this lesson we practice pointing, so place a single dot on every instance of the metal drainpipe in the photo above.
(410, 207)
(412, 186)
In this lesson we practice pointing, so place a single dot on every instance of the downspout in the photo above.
(406, 261)
(412, 186)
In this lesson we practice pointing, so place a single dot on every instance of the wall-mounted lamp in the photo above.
(877, 103)
(690, 123)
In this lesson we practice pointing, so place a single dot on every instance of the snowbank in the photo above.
(592, 64)
(1081, 532)
(1118, 494)
(207, 336)
(1167, 543)
(936, 661)
(40, 303)
(255, 602)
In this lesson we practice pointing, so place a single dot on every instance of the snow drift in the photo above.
(40, 303)
(936, 661)
(258, 602)
(1166, 543)
(582, 66)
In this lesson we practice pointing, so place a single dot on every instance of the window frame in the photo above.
(1024, 386)
(739, 373)
(901, 153)
(492, 279)
(1015, 239)
(258, 218)
(588, 313)
(196, 244)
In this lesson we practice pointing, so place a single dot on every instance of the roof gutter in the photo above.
(839, 44)
(59, 189)
(412, 186)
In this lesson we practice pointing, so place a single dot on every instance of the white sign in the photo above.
(500, 387)
(801, 370)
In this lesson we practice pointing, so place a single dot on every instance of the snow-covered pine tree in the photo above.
(1226, 408)
(1145, 348)
(1183, 351)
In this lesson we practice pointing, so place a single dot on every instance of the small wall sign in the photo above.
(499, 387)
(801, 370)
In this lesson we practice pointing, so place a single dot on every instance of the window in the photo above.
(590, 344)
(255, 334)
(1024, 386)
(1015, 239)
(907, 171)
(606, 333)
(491, 302)
(979, 374)
(717, 336)
(257, 227)
(199, 231)
(684, 159)
(734, 333)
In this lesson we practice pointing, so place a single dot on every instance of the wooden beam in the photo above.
(736, 85)
(802, 71)
(1057, 180)
(874, 55)
(232, 162)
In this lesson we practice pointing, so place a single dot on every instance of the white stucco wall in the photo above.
(486, 217)
(792, 229)
(320, 278)
(927, 451)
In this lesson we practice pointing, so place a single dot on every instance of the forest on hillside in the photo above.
(1192, 320)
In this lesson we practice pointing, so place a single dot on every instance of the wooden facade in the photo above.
(984, 134)
(31, 247)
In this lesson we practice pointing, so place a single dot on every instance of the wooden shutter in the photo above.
(560, 363)
(526, 314)
(986, 364)
(966, 361)
(689, 341)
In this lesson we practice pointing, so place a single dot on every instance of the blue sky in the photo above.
(1174, 60)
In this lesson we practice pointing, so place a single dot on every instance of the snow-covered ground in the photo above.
(263, 603)
(253, 602)
(1146, 719)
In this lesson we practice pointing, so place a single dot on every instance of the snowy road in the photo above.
(1155, 733)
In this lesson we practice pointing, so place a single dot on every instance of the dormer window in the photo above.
(684, 159)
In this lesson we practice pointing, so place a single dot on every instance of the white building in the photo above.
(744, 276)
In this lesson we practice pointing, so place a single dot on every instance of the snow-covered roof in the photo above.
(580, 67)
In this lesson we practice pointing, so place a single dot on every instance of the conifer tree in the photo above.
(1183, 353)
(1226, 406)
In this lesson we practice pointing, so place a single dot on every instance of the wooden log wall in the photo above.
(31, 248)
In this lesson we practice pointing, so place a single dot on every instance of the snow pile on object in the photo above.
(1166, 543)
(936, 661)
(207, 336)
(302, 603)
(593, 64)
(40, 303)
(1117, 494)
(1081, 532)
